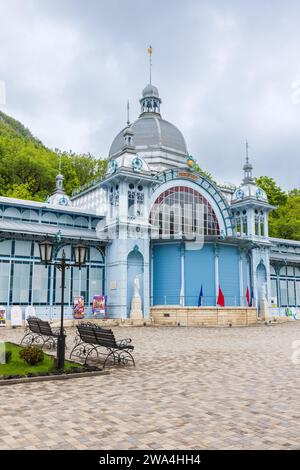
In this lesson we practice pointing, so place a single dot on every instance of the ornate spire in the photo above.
(59, 178)
(150, 101)
(128, 120)
(59, 196)
(248, 177)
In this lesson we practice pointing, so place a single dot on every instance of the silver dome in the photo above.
(158, 141)
(151, 132)
(150, 90)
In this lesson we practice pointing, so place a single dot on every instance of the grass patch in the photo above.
(18, 367)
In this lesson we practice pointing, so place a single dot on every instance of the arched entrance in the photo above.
(181, 217)
(261, 279)
(135, 267)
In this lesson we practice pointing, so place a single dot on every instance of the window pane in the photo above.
(4, 281)
(58, 287)
(274, 290)
(298, 293)
(40, 284)
(283, 293)
(291, 289)
(80, 283)
(22, 248)
(96, 281)
(21, 283)
(5, 247)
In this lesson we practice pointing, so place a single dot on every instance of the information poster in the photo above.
(2, 315)
(78, 307)
(29, 311)
(16, 316)
(99, 305)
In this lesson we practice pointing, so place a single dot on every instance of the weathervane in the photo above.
(149, 50)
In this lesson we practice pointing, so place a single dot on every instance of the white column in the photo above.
(182, 277)
(152, 278)
(241, 301)
(217, 277)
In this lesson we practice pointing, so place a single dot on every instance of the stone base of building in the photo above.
(168, 315)
(104, 322)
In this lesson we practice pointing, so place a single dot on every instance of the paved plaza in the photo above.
(193, 388)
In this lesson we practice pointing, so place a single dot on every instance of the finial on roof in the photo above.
(248, 178)
(247, 152)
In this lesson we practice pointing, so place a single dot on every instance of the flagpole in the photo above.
(149, 50)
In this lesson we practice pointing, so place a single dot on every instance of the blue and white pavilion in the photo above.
(123, 221)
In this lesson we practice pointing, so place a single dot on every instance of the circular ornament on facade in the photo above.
(137, 163)
(260, 194)
(239, 194)
(63, 201)
(112, 166)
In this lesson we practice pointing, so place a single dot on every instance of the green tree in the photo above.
(287, 222)
(276, 196)
(28, 168)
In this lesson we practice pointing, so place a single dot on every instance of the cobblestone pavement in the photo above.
(192, 388)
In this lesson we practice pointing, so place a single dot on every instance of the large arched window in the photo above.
(183, 212)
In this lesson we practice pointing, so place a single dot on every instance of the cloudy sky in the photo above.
(226, 70)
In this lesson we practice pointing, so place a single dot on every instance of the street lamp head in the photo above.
(46, 251)
(80, 254)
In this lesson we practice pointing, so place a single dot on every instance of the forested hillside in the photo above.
(28, 168)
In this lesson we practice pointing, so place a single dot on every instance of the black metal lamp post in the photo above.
(46, 252)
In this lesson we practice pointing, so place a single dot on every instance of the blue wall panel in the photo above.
(166, 274)
(200, 269)
(229, 274)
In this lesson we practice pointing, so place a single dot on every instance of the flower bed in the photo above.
(18, 368)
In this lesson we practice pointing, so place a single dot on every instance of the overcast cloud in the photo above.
(226, 71)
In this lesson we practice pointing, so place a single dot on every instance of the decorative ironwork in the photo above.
(206, 184)
(40, 332)
(93, 340)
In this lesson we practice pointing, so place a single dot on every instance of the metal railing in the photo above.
(195, 301)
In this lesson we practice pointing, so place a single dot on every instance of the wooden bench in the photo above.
(40, 332)
(91, 338)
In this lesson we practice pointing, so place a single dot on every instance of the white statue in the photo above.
(136, 301)
(263, 307)
(136, 286)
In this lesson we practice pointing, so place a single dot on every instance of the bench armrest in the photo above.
(124, 342)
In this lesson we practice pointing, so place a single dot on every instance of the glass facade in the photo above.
(285, 285)
(25, 281)
(182, 211)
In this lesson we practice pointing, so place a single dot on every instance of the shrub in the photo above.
(32, 355)
(8, 355)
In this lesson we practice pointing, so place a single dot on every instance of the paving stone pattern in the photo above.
(193, 388)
